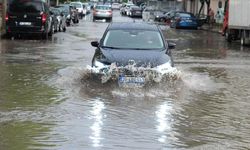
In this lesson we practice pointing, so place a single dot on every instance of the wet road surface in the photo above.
(46, 104)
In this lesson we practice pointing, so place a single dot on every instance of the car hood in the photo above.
(141, 58)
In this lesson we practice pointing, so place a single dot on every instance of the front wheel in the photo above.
(45, 36)
(228, 36)
(52, 30)
(243, 38)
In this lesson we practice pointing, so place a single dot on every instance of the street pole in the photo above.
(3, 25)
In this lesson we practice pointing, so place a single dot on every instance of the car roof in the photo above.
(133, 26)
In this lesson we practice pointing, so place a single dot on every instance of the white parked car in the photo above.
(116, 6)
(87, 7)
(80, 8)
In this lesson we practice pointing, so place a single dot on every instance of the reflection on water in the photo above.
(164, 118)
(96, 127)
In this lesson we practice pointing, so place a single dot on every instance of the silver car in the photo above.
(102, 12)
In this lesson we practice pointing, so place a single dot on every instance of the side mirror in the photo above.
(95, 43)
(171, 45)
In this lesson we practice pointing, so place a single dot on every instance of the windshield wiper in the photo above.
(111, 47)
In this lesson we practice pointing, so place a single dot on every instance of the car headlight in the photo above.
(165, 68)
(68, 17)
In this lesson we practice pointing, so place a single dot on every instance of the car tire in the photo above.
(8, 35)
(243, 38)
(52, 30)
(228, 36)
(68, 23)
(60, 28)
(45, 36)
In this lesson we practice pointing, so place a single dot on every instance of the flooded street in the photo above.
(46, 103)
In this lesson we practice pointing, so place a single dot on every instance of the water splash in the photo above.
(158, 74)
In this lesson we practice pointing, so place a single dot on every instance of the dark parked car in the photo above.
(162, 16)
(135, 11)
(137, 44)
(184, 20)
(28, 17)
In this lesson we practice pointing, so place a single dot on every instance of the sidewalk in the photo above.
(216, 28)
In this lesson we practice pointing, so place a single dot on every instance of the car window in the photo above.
(185, 15)
(19, 6)
(77, 5)
(133, 39)
(103, 7)
(55, 11)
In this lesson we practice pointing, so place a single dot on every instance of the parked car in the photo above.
(115, 6)
(184, 20)
(66, 10)
(81, 9)
(127, 8)
(74, 15)
(87, 8)
(137, 44)
(55, 13)
(165, 16)
(62, 20)
(135, 11)
(102, 12)
(28, 17)
(124, 8)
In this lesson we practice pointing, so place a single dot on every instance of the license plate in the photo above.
(25, 23)
(138, 81)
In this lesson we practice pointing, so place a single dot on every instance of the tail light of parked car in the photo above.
(110, 12)
(44, 18)
(7, 17)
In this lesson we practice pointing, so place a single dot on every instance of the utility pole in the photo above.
(3, 24)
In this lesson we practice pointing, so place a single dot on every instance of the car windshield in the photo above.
(103, 7)
(18, 6)
(133, 39)
(77, 5)
(185, 15)
(55, 11)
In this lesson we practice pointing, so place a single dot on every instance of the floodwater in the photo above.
(46, 103)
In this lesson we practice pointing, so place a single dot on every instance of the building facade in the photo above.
(194, 6)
